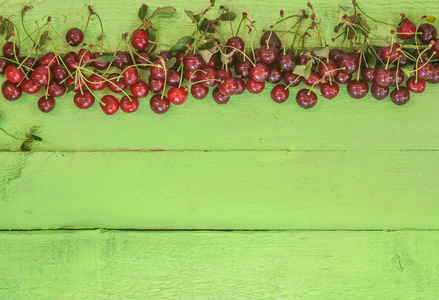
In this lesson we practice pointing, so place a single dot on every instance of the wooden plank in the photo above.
(219, 265)
(220, 190)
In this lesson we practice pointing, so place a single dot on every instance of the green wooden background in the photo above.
(300, 176)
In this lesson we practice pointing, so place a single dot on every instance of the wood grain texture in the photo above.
(218, 265)
(220, 190)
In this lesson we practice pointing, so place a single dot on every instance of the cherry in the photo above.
(223, 74)
(268, 55)
(28, 63)
(177, 95)
(303, 58)
(100, 65)
(260, 72)
(287, 61)
(59, 72)
(42, 75)
(240, 86)
(199, 91)
(173, 77)
(8, 50)
(219, 97)
(343, 78)
(228, 86)
(328, 69)
(209, 77)
(401, 96)
(46, 104)
(427, 32)
(254, 87)
(275, 75)
(70, 60)
(84, 100)
(74, 36)
(314, 79)
(348, 61)
(179, 56)
(273, 42)
(140, 89)
(328, 90)
(435, 49)
(379, 92)
(50, 59)
(435, 77)
(159, 104)
(425, 70)
(10, 91)
(3, 64)
(165, 55)
(139, 39)
(383, 77)
(84, 55)
(406, 30)
(116, 85)
(292, 79)
(78, 86)
(422, 56)
(335, 53)
(96, 82)
(368, 74)
(403, 60)
(279, 93)
(109, 104)
(357, 89)
(306, 98)
(158, 71)
(130, 75)
(191, 76)
(192, 62)
(123, 59)
(391, 54)
(56, 89)
(397, 74)
(156, 85)
(242, 68)
(129, 105)
(13, 74)
(212, 63)
(236, 44)
(254, 56)
(143, 58)
(416, 86)
(29, 87)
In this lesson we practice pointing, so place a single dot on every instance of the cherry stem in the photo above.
(12, 136)
(245, 55)
(292, 82)
(356, 5)
(204, 80)
(50, 23)
(166, 76)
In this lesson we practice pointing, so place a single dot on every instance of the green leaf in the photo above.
(43, 38)
(299, 70)
(36, 137)
(430, 19)
(206, 54)
(410, 41)
(308, 68)
(203, 25)
(228, 16)
(212, 2)
(194, 18)
(2, 28)
(25, 146)
(143, 10)
(9, 28)
(207, 45)
(181, 44)
(371, 60)
(322, 52)
(170, 63)
(225, 57)
(152, 37)
(406, 72)
(71, 87)
(107, 58)
(167, 10)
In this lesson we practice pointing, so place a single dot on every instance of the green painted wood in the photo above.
(219, 265)
(220, 190)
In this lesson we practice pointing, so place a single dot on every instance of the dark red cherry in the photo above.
(96, 82)
(74, 36)
(422, 56)
(179, 56)
(79, 85)
(303, 58)
(156, 85)
(116, 85)
(10, 91)
(219, 97)
(50, 59)
(391, 54)
(130, 75)
(13, 74)
(159, 104)
(416, 86)
(424, 70)
(165, 55)
(59, 72)
(254, 87)
(357, 89)
(406, 30)
(275, 75)
(254, 56)
(46, 104)
(291, 79)
(84, 55)
(240, 89)
(70, 60)
(173, 77)
(139, 39)
(144, 59)
(329, 90)
(228, 86)
(342, 77)
(177, 95)
(3, 64)
(435, 77)
(268, 55)
(260, 72)
(349, 62)
(427, 32)
(401, 96)
(129, 105)
(335, 53)
(383, 77)
(140, 89)
(199, 91)
(235, 44)
(397, 74)
(287, 61)
(328, 69)
(123, 59)
(242, 68)
(368, 74)
(28, 63)
(379, 92)
(223, 74)
(158, 71)
(56, 89)
(109, 104)
(313, 80)
(212, 63)
(435, 49)
(272, 38)
(42, 75)
(192, 62)
(29, 87)
(84, 100)
(230, 61)
(100, 65)
(279, 93)
(8, 50)
(403, 60)
(191, 76)
(306, 98)
(209, 77)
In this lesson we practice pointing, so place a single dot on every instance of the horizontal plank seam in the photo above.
(212, 230)
(229, 150)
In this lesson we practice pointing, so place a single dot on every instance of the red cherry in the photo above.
(29, 87)
(74, 36)
(328, 69)
(259, 73)
(56, 89)
(191, 76)
(275, 75)
(70, 60)
(180, 56)
(10, 91)
(368, 74)
(287, 61)
(109, 105)
(28, 63)
(84, 100)
(328, 90)
(406, 30)
(156, 85)
(272, 38)
(424, 70)
(46, 105)
(96, 82)
(228, 86)
(268, 55)
(3, 64)
(314, 79)
(50, 59)
(139, 39)
(128, 106)
(159, 104)
(427, 32)
(42, 75)
(219, 97)
(212, 63)
(223, 74)
(254, 87)
(199, 91)
(173, 77)
(335, 53)
(306, 98)
(8, 50)
(79, 85)
(236, 45)
(416, 86)
(123, 59)
(379, 92)
(401, 96)
(357, 89)
(391, 54)
(130, 75)
(398, 74)
(98, 64)
(192, 62)
(144, 59)
(434, 79)
(383, 77)
(140, 89)
(240, 86)
(242, 68)
(279, 93)
(348, 62)
(116, 85)
(292, 79)
(342, 77)
(177, 95)
(84, 55)
(59, 72)
(208, 77)
(13, 74)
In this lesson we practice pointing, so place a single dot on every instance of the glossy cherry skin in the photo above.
(228, 86)
(259, 73)
(156, 85)
(8, 50)
(191, 76)
(223, 74)
(139, 39)
(100, 65)
(240, 89)
(279, 93)
(328, 69)
(140, 89)
(254, 56)
(212, 63)
(390, 54)
(347, 61)
(165, 55)
(144, 59)
(275, 75)
(343, 78)
(235, 44)
(368, 74)
(70, 60)
(129, 105)
(177, 95)
(291, 79)
(42, 75)
(74, 36)
(425, 70)
(157, 71)
(379, 92)
(306, 98)
(254, 87)
(10, 91)
(329, 91)
(219, 97)
(416, 86)
(28, 63)
(123, 59)
(116, 86)
(3, 64)
(13, 74)
(401, 96)
(46, 105)
(199, 91)
(427, 32)
(84, 100)
(383, 77)
(109, 104)
(192, 62)
(209, 77)
(314, 79)
(335, 53)
(435, 77)
(50, 59)
(179, 56)
(398, 74)
(56, 89)
(84, 55)
(96, 82)
(242, 68)
(29, 87)
(159, 105)
(287, 61)
(357, 89)
(273, 42)
(435, 49)
(406, 30)
(173, 77)
(268, 55)
(130, 75)
(79, 85)
(59, 72)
